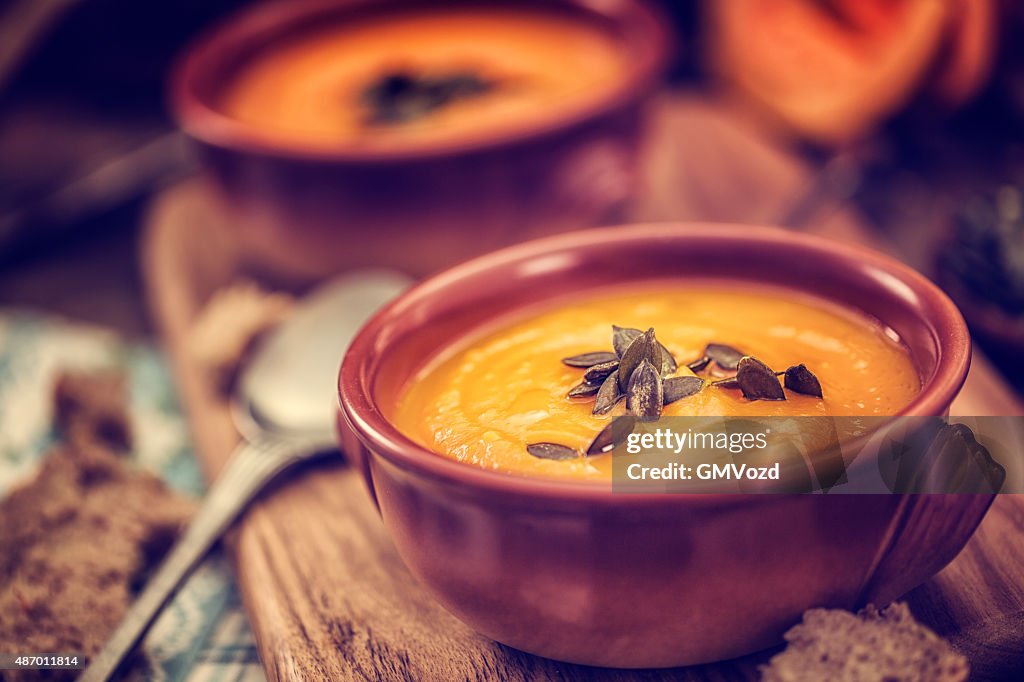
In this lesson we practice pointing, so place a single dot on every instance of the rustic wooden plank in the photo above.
(328, 597)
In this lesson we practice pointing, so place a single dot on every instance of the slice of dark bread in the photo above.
(878, 645)
(79, 539)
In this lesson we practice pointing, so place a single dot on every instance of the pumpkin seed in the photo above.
(645, 394)
(799, 379)
(622, 337)
(552, 451)
(583, 389)
(604, 442)
(699, 364)
(608, 395)
(757, 380)
(725, 356)
(598, 373)
(676, 388)
(668, 363)
(587, 360)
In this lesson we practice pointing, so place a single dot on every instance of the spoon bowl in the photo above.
(284, 389)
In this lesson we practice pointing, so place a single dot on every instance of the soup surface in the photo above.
(483, 401)
(313, 88)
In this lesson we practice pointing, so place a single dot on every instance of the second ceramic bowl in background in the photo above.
(309, 206)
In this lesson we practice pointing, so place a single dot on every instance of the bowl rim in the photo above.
(203, 122)
(358, 406)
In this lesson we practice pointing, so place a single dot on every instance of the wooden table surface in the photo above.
(328, 597)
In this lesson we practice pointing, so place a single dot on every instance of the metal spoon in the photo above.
(284, 409)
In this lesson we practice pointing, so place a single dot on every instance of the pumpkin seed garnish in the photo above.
(551, 451)
(640, 371)
(587, 360)
(583, 389)
(724, 356)
(608, 395)
(400, 96)
(645, 395)
(676, 388)
(597, 373)
(799, 379)
(757, 380)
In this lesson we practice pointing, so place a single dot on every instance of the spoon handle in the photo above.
(251, 466)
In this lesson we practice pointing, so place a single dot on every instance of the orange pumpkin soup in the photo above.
(488, 397)
(424, 76)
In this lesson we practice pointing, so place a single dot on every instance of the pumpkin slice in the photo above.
(830, 69)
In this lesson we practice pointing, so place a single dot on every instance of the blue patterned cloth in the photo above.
(203, 635)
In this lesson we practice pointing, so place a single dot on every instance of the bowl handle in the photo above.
(927, 533)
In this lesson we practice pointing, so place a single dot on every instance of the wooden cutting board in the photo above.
(326, 594)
